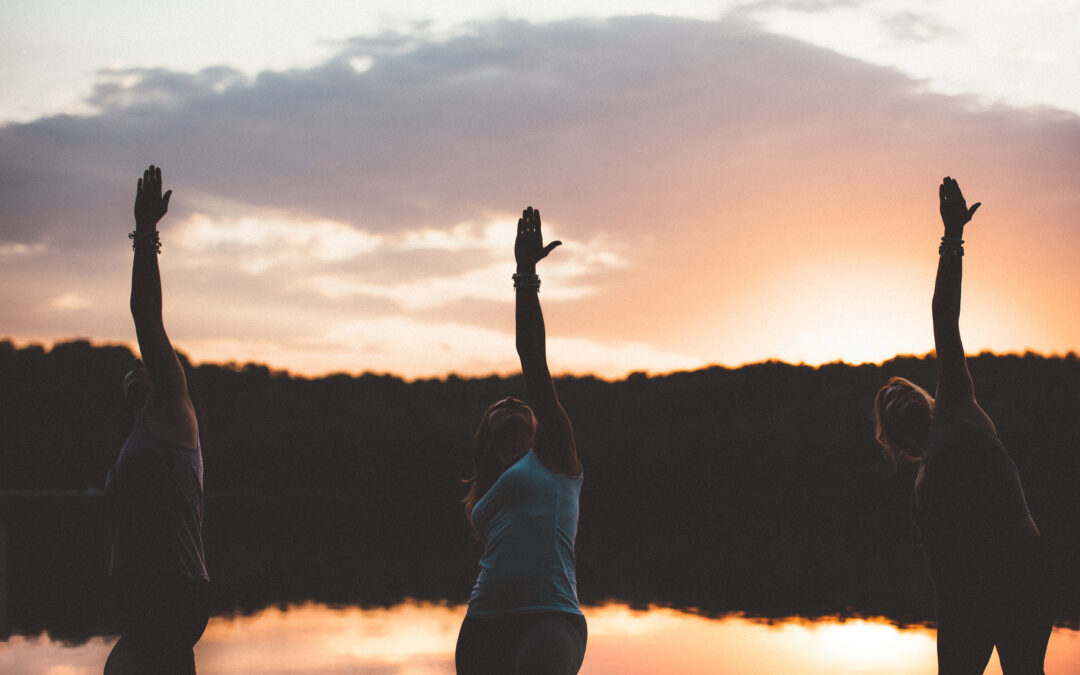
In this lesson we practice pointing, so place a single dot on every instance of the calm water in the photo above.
(418, 638)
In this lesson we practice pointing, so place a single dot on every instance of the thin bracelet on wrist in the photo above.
(527, 281)
(953, 246)
(150, 238)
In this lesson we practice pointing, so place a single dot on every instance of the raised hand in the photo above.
(954, 210)
(150, 204)
(529, 247)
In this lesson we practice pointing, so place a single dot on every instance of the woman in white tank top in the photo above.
(155, 490)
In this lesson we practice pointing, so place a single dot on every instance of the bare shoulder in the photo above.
(172, 419)
(968, 411)
(556, 448)
(571, 468)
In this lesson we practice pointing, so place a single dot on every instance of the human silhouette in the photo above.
(157, 566)
(985, 556)
(523, 614)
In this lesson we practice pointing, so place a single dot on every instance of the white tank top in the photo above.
(155, 496)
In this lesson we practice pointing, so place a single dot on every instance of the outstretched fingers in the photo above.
(530, 221)
(151, 178)
(150, 204)
(530, 239)
(950, 189)
(954, 209)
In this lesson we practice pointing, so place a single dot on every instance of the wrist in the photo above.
(526, 269)
(951, 246)
(954, 232)
(525, 280)
(145, 239)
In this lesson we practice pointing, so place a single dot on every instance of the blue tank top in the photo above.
(527, 522)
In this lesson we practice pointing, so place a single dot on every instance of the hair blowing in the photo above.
(891, 449)
(487, 466)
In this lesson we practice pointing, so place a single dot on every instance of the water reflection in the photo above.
(418, 638)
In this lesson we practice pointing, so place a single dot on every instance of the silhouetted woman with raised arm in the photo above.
(523, 614)
(991, 577)
(155, 490)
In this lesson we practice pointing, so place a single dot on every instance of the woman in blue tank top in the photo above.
(523, 614)
(991, 577)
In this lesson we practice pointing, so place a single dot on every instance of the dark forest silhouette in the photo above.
(757, 489)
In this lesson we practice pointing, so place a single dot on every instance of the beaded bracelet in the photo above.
(527, 281)
(951, 246)
(145, 238)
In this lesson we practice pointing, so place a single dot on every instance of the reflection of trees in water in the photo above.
(55, 563)
(757, 489)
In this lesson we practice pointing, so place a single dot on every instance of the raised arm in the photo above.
(954, 387)
(554, 442)
(168, 409)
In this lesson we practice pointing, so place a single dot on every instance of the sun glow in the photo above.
(419, 638)
(863, 646)
(823, 311)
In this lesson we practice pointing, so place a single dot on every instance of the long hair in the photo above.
(487, 467)
(892, 448)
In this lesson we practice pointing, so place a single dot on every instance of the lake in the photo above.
(418, 638)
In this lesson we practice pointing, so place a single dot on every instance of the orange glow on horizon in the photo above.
(513, 370)
(419, 637)
(830, 290)
(742, 286)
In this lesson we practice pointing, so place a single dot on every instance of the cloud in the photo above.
(21, 249)
(688, 165)
(809, 6)
(915, 27)
(431, 133)
(70, 301)
(156, 88)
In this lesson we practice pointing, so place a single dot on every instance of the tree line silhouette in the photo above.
(757, 489)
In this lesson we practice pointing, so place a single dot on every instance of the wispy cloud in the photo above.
(687, 165)
(916, 27)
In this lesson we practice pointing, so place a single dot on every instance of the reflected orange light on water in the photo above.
(418, 638)
(665, 640)
(409, 638)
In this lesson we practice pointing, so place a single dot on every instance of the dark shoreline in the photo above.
(757, 490)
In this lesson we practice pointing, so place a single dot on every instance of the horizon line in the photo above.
(278, 371)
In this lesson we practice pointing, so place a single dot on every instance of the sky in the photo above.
(732, 181)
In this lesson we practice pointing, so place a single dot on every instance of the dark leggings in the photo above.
(964, 647)
(161, 618)
(539, 643)
(1015, 615)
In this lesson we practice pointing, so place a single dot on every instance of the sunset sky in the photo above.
(732, 181)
